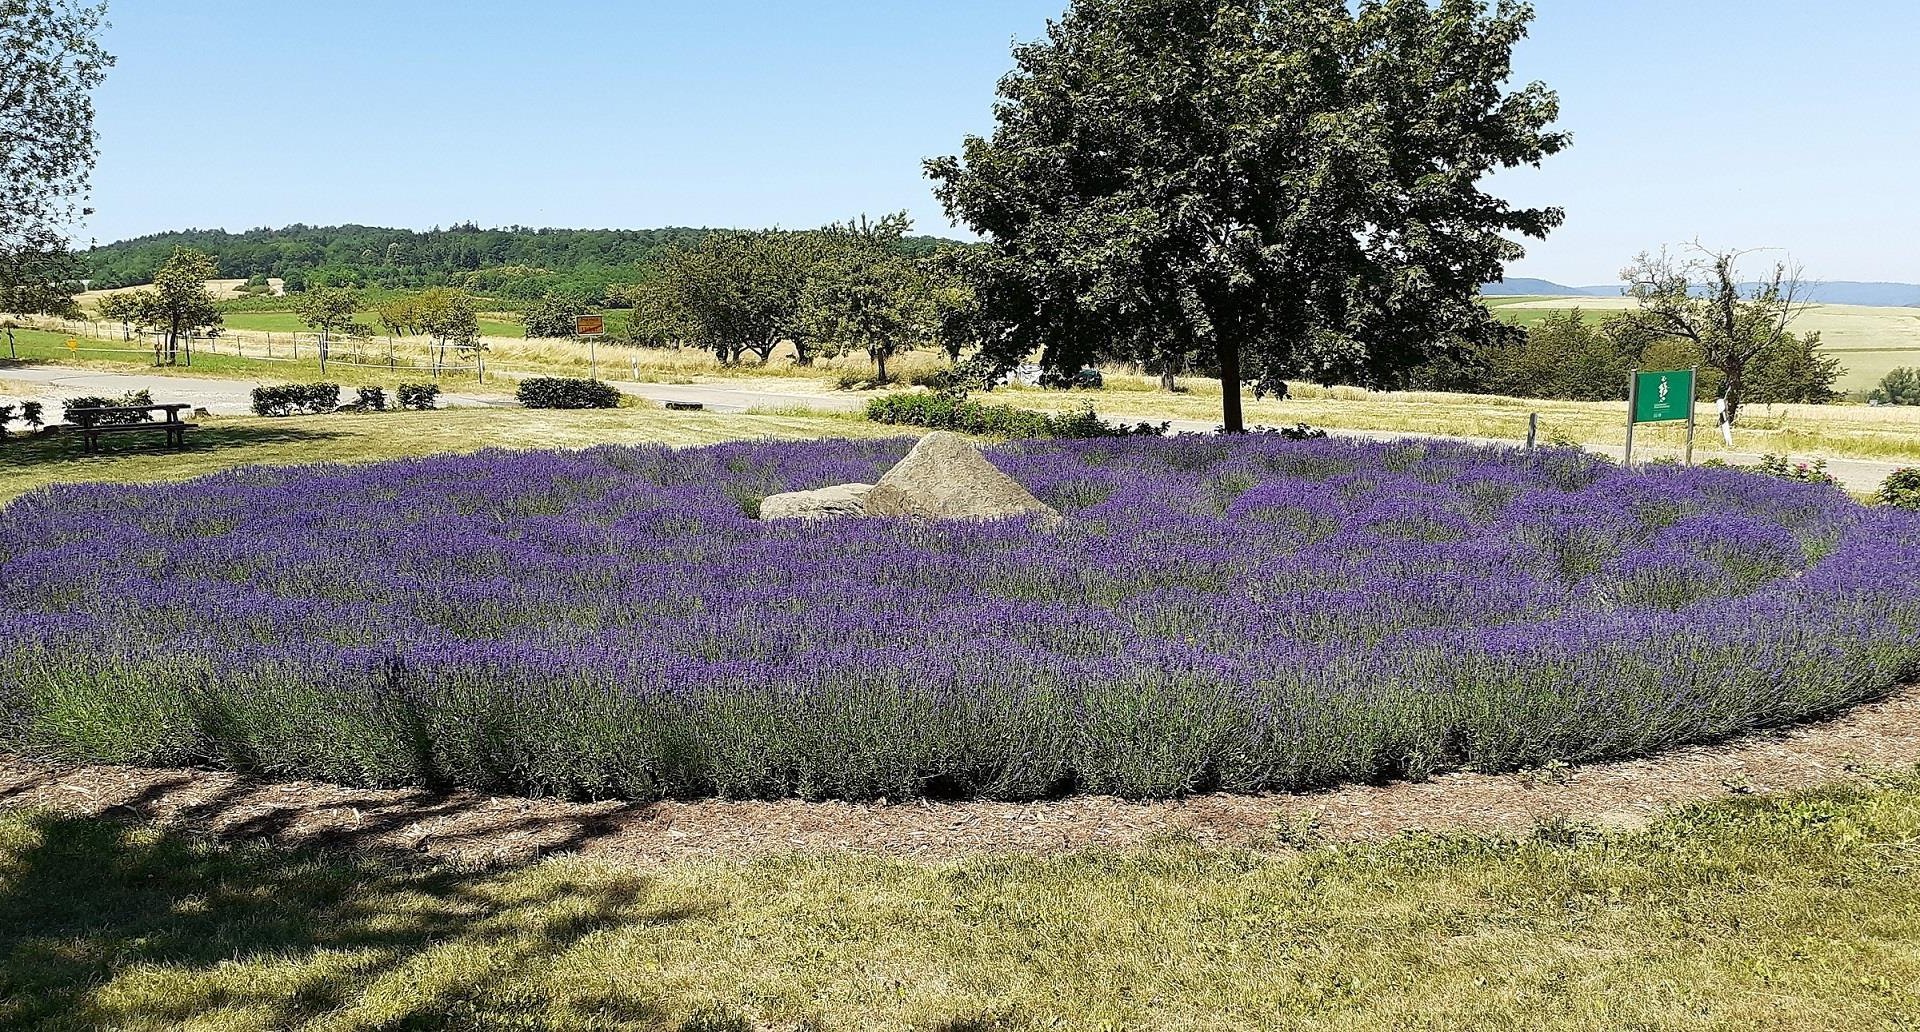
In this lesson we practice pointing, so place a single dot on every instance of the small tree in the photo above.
(121, 307)
(1697, 296)
(556, 315)
(327, 311)
(1794, 372)
(877, 303)
(178, 303)
(1899, 387)
(450, 317)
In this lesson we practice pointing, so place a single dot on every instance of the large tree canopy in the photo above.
(50, 58)
(1275, 186)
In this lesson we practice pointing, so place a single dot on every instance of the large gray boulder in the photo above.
(839, 500)
(945, 477)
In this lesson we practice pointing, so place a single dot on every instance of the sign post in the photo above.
(1661, 396)
(591, 327)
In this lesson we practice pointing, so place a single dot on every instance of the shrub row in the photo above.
(289, 398)
(131, 399)
(314, 398)
(944, 412)
(553, 392)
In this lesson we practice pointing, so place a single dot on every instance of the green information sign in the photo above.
(1663, 397)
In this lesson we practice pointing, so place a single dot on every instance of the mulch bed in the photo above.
(471, 829)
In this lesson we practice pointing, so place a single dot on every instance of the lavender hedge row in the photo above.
(1245, 615)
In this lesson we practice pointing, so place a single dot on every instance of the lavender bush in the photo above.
(1239, 615)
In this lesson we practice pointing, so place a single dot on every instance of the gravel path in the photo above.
(469, 828)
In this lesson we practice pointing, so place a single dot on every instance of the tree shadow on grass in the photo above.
(24, 452)
(89, 904)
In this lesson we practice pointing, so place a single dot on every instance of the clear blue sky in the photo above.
(1743, 122)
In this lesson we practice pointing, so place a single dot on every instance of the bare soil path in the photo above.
(472, 829)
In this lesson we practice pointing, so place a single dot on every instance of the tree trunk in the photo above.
(1736, 387)
(880, 362)
(1167, 381)
(1231, 419)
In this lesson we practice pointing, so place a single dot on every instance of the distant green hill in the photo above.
(533, 261)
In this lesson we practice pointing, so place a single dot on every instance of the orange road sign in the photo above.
(589, 326)
(72, 345)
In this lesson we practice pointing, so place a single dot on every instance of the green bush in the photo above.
(290, 398)
(418, 397)
(1899, 387)
(1805, 473)
(1902, 489)
(131, 399)
(552, 392)
(944, 412)
(371, 399)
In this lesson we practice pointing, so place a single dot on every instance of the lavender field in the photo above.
(1246, 615)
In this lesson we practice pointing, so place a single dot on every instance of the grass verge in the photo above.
(226, 442)
(1795, 912)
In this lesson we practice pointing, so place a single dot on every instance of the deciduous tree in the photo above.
(121, 307)
(1696, 294)
(1284, 186)
(327, 311)
(450, 317)
(556, 315)
(50, 61)
(178, 303)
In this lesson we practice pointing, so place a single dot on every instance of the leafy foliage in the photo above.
(947, 412)
(1900, 386)
(51, 53)
(1901, 489)
(1253, 181)
(131, 399)
(330, 310)
(556, 315)
(552, 392)
(288, 399)
(177, 304)
(418, 397)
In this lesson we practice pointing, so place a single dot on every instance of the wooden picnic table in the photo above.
(92, 422)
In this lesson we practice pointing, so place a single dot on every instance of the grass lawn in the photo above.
(1800, 912)
(225, 442)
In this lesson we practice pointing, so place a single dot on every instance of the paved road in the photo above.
(233, 397)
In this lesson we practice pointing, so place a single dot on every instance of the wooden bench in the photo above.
(92, 422)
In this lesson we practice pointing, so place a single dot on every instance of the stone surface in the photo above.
(946, 477)
(839, 500)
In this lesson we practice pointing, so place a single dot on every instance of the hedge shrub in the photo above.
(553, 392)
(1901, 490)
(131, 399)
(944, 412)
(418, 397)
(290, 398)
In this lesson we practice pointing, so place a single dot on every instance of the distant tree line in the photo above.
(514, 263)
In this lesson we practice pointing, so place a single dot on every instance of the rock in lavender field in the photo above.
(839, 500)
(946, 477)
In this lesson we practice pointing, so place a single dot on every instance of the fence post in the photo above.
(1533, 429)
